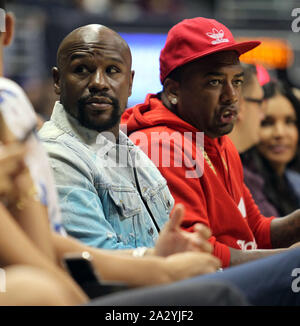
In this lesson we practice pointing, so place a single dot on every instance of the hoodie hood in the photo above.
(152, 113)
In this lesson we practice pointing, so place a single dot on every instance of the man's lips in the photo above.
(98, 103)
(228, 114)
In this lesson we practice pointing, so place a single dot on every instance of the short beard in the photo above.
(99, 126)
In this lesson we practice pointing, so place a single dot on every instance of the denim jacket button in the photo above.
(150, 231)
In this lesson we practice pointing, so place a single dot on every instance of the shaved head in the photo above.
(87, 36)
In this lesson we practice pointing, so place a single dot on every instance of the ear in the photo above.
(171, 89)
(9, 29)
(56, 80)
(131, 82)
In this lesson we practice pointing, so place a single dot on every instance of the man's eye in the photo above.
(214, 82)
(112, 70)
(80, 69)
(238, 82)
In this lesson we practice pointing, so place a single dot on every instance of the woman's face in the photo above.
(279, 133)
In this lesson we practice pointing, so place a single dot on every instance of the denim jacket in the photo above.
(111, 194)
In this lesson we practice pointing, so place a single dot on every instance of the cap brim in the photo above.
(240, 48)
(243, 47)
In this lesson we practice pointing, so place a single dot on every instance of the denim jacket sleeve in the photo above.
(82, 210)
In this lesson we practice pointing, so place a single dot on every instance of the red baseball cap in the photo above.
(194, 38)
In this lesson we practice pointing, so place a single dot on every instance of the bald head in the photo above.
(93, 35)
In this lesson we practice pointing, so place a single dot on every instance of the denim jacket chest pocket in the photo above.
(126, 202)
(159, 200)
(128, 217)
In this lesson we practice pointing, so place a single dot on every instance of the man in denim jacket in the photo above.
(111, 194)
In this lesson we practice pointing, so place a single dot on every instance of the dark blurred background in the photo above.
(42, 24)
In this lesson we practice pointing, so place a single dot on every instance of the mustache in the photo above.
(84, 99)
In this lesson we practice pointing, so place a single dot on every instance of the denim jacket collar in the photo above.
(91, 138)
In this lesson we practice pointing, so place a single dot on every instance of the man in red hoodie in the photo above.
(183, 130)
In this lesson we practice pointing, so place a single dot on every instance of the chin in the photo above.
(225, 130)
(282, 160)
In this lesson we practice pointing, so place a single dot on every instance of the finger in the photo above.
(201, 244)
(213, 262)
(208, 264)
(216, 262)
(206, 246)
(176, 217)
(202, 230)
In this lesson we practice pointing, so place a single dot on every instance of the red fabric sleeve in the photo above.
(221, 251)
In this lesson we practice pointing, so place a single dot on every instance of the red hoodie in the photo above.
(218, 197)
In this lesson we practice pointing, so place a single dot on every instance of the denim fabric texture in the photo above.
(106, 188)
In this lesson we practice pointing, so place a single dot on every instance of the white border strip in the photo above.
(2, 20)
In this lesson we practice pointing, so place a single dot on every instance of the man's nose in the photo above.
(98, 82)
(230, 94)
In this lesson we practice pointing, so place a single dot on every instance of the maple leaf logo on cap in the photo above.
(217, 36)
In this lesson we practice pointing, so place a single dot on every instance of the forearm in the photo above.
(68, 244)
(134, 271)
(14, 242)
(285, 231)
(242, 256)
(116, 265)
(130, 252)
(32, 215)
(34, 222)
